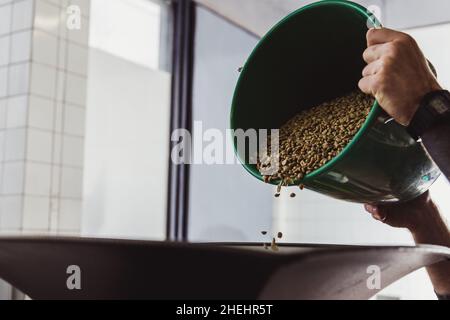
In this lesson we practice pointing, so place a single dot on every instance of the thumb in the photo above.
(371, 209)
(376, 212)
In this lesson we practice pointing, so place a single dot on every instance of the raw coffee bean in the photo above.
(315, 136)
(273, 245)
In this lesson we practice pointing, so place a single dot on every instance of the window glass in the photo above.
(226, 203)
(127, 121)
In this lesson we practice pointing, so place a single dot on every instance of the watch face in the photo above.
(440, 105)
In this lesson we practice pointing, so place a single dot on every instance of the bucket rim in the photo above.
(372, 116)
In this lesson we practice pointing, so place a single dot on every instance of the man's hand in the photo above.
(422, 218)
(413, 215)
(397, 74)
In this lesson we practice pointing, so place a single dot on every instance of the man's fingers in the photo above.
(380, 36)
(366, 85)
(374, 52)
(372, 68)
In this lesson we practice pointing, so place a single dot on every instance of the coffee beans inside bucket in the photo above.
(315, 136)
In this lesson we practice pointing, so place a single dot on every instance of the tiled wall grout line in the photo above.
(52, 202)
(30, 71)
(41, 196)
(31, 60)
(68, 166)
(66, 55)
(11, 2)
(71, 104)
(2, 187)
(70, 135)
(11, 33)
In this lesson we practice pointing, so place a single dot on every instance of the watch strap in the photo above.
(426, 117)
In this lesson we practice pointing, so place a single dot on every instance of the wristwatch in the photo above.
(434, 109)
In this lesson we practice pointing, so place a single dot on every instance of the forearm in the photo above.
(437, 143)
(434, 231)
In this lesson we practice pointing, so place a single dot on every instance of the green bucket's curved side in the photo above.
(314, 55)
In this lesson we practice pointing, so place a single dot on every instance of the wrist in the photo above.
(423, 214)
(428, 226)
(433, 86)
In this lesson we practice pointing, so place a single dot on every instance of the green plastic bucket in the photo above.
(314, 55)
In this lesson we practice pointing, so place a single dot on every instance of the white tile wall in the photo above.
(77, 61)
(60, 85)
(57, 149)
(22, 15)
(56, 178)
(84, 5)
(62, 55)
(71, 183)
(5, 19)
(39, 146)
(3, 105)
(41, 113)
(17, 111)
(11, 212)
(4, 52)
(38, 86)
(3, 81)
(36, 213)
(59, 113)
(74, 120)
(43, 71)
(37, 179)
(45, 48)
(13, 178)
(15, 144)
(18, 79)
(60, 3)
(54, 213)
(73, 151)
(20, 47)
(2, 148)
(47, 17)
(69, 217)
(76, 89)
(80, 36)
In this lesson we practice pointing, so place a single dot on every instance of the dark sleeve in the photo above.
(437, 143)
